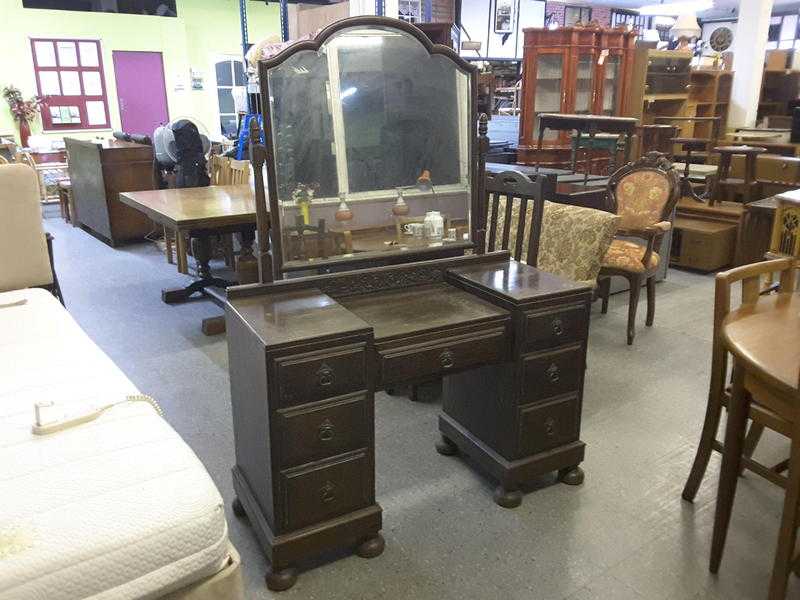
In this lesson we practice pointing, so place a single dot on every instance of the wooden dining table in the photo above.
(197, 214)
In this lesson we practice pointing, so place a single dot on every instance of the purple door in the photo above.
(141, 92)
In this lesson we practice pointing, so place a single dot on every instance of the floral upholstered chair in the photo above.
(645, 194)
(574, 241)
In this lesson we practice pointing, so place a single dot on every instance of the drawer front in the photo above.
(554, 327)
(548, 425)
(318, 375)
(322, 430)
(407, 363)
(326, 490)
(554, 373)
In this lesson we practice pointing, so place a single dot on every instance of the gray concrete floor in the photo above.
(624, 534)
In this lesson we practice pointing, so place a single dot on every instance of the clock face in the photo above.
(721, 39)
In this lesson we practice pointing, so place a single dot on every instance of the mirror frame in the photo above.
(272, 264)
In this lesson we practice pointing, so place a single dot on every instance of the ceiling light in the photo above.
(674, 9)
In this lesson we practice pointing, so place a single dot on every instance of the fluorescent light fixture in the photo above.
(674, 9)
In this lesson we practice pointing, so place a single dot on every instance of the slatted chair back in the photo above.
(239, 172)
(514, 204)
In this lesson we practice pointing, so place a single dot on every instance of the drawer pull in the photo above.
(447, 359)
(328, 492)
(553, 373)
(326, 431)
(558, 327)
(550, 426)
(325, 375)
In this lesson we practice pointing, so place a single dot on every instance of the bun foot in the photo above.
(507, 498)
(371, 547)
(571, 476)
(238, 509)
(445, 447)
(279, 581)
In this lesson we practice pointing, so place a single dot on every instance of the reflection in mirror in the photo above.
(372, 141)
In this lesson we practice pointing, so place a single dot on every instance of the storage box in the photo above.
(702, 245)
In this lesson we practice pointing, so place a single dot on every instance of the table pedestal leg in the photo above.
(201, 246)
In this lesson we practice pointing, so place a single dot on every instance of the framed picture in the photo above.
(504, 16)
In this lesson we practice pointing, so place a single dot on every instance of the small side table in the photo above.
(657, 138)
(690, 145)
(749, 186)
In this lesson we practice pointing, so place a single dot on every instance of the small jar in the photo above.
(434, 225)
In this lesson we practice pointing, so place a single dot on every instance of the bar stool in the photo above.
(689, 145)
(763, 336)
(749, 186)
(657, 138)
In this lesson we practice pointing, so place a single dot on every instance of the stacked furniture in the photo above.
(308, 352)
(98, 172)
(780, 85)
(580, 70)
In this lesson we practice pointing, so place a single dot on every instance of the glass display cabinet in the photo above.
(582, 70)
(371, 140)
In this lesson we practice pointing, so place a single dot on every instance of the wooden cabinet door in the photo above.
(546, 92)
(609, 88)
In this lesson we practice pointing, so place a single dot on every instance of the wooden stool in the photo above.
(657, 138)
(690, 145)
(65, 199)
(763, 336)
(749, 186)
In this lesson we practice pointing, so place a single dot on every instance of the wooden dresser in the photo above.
(307, 355)
(99, 171)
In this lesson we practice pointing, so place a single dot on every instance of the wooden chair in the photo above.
(763, 336)
(644, 194)
(22, 235)
(785, 238)
(516, 228)
(26, 158)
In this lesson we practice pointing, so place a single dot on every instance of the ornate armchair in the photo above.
(644, 194)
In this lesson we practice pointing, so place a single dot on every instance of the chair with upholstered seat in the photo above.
(26, 252)
(645, 194)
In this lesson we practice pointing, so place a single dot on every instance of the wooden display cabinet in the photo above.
(573, 70)
(660, 84)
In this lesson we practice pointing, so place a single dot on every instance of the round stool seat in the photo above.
(746, 150)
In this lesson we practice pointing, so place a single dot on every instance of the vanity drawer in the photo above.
(314, 432)
(325, 490)
(555, 326)
(547, 374)
(315, 376)
(548, 425)
(447, 355)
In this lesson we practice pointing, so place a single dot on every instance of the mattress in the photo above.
(116, 508)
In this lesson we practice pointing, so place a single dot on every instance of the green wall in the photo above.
(202, 30)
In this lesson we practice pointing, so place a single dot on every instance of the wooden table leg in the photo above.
(180, 252)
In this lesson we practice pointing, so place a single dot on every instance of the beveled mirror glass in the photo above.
(372, 138)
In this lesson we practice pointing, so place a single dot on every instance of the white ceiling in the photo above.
(722, 8)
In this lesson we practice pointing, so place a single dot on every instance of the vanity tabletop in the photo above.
(516, 281)
(420, 308)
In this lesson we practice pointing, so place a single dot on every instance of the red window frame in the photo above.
(79, 101)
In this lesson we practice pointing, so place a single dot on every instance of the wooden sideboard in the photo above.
(308, 354)
(99, 172)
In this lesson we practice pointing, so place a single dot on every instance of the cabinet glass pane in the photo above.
(549, 78)
(667, 75)
(583, 85)
(610, 84)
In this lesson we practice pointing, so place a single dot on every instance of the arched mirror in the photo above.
(373, 146)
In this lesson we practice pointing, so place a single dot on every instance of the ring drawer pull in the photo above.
(328, 493)
(553, 373)
(326, 431)
(325, 375)
(550, 426)
(558, 327)
(447, 359)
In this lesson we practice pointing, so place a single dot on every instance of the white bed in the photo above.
(116, 508)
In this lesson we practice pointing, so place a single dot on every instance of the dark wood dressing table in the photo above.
(307, 353)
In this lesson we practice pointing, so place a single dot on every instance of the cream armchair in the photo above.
(26, 254)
